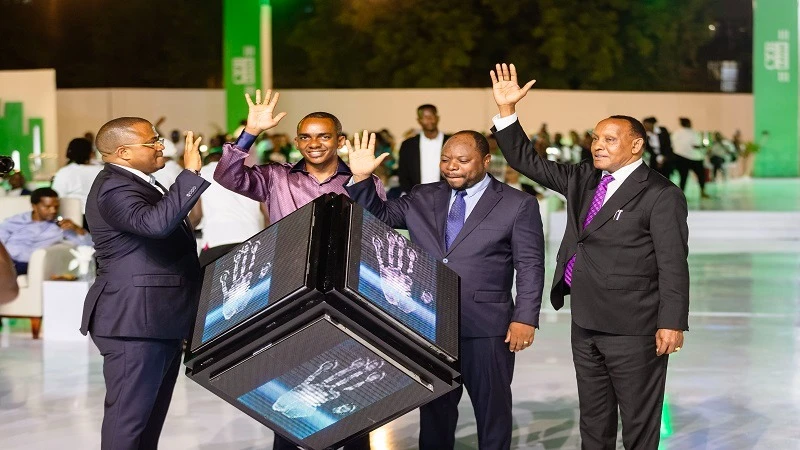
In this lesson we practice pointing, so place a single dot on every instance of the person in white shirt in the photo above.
(167, 175)
(689, 155)
(227, 218)
(418, 159)
(75, 179)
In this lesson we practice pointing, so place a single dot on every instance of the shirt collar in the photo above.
(438, 136)
(136, 172)
(623, 172)
(478, 187)
(300, 166)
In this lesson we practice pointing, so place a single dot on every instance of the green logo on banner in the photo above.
(14, 142)
(241, 54)
(775, 87)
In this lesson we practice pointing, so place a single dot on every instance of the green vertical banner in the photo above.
(241, 55)
(775, 87)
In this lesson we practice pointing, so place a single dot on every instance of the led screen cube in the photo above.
(326, 325)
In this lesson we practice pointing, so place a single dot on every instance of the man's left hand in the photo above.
(519, 336)
(668, 341)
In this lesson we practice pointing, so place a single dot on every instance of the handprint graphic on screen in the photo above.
(306, 398)
(236, 292)
(396, 270)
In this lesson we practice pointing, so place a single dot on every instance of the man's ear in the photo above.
(340, 140)
(638, 144)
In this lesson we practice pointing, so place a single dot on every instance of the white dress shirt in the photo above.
(474, 194)
(430, 154)
(228, 217)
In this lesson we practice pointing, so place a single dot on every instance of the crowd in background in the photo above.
(709, 156)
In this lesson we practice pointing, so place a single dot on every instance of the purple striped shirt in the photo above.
(283, 187)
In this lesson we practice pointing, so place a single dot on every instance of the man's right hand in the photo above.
(506, 90)
(191, 153)
(259, 115)
(362, 156)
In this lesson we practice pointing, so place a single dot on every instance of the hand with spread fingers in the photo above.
(361, 156)
(192, 159)
(260, 115)
(505, 88)
(519, 336)
(668, 341)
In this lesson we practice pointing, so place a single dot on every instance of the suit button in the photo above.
(445, 261)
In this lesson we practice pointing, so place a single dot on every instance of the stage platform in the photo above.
(735, 385)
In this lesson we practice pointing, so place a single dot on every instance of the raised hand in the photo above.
(362, 158)
(191, 153)
(260, 115)
(505, 87)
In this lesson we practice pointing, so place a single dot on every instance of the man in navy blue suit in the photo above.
(482, 229)
(141, 306)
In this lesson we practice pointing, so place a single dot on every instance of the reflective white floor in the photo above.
(736, 384)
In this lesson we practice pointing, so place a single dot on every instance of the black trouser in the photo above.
(140, 376)
(487, 367)
(20, 267)
(684, 165)
(616, 371)
(718, 162)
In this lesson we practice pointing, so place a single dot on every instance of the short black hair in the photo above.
(322, 115)
(79, 151)
(685, 122)
(649, 120)
(38, 194)
(636, 127)
(110, 134)
(427, 106)
(481, 144)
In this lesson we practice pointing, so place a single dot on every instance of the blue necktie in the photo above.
(455, 218)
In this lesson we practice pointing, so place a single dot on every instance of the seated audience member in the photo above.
(39, 228)
(17, 182)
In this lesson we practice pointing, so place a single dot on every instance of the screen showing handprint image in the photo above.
(240, 283)
(398, 276)
(329, 387)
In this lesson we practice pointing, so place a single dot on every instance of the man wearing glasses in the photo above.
(144, 299)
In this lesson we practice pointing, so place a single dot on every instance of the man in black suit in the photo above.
(144, 299)
(418, 158)
(623, 260)
(659, 145)
(482, 229)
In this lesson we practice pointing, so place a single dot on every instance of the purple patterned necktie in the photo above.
(455, 218)
(597, 203)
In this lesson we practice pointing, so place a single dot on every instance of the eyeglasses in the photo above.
(159, 141)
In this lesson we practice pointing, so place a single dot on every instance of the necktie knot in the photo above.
(607, 178)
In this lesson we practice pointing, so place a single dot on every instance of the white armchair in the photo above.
(44, 263)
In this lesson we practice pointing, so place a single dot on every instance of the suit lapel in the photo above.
(630, 188)
(441, 202)
(487, 202)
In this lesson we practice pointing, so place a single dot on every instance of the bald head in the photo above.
(117, 132)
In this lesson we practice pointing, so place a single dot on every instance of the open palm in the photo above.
(505, 87)
(260, 115)
(361, 156)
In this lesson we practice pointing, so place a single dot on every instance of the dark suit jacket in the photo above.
(148, 277)
(408, 159)
(503, 232)
(631, 275)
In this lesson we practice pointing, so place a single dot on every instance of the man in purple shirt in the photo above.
(286, 187)
(26, 232)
